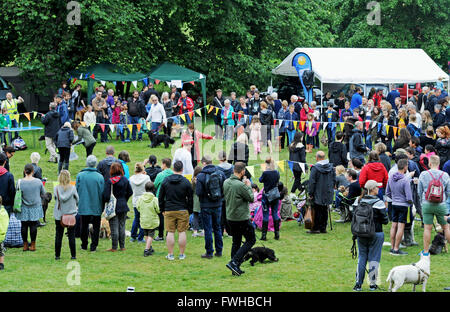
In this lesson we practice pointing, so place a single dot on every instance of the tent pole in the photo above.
(321, 101)
(407, 94)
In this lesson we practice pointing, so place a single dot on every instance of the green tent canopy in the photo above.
(169, 71)
(104, 72)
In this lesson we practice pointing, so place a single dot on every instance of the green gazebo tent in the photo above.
(169, 72)
(105, 72)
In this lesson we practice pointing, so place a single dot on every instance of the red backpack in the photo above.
(435, 191)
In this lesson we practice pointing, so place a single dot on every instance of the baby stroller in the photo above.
(300, 201)
(345, 208)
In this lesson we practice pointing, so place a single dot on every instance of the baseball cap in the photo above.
(400, 151)
(371, 184)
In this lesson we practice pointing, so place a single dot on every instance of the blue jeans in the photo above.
(122, 133)
(369, 141)
(137, 226)
(290, 134)
(211, 224)
(381, 193)
(331, 133)
(369, 251)
(155, 126)
(134, 121)
(265, 205)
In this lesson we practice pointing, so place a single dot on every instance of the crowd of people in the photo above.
(219, 197)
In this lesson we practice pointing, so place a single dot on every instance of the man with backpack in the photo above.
(369, 211)
(399, 191)
(209, 189)
(434, 189)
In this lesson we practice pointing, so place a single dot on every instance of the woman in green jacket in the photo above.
(86, 135)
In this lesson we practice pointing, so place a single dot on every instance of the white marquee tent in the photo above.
(366, 66)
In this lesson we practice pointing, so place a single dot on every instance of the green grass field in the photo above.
(320, 263)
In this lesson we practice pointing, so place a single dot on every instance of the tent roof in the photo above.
(357, 65)
(107, 72)
(168, 71)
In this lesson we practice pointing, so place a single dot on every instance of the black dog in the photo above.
(46, 199)
(260, 254)
(438, 244)
(157, 139)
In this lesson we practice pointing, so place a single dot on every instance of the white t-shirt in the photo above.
(185, 157)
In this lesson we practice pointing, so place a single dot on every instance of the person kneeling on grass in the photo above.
(4, 222)
(148, 208)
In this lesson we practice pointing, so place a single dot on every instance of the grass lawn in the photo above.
(307, 263)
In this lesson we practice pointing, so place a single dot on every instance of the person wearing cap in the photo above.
(369, 249)
(184, 155)
(399, 191)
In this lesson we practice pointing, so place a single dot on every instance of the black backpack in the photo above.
(213, 186)
(363, 224)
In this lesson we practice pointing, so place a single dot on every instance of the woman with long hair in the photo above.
(122, 191)
(442, 145)
(66, 203)
(403, 140)
(297, 154)
(375, 116)
(386, 131)
(427, 120)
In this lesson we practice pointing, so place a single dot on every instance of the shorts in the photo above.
(430, 210)
(2, 250)
(150, 232)
(176, 221)
(399, 214)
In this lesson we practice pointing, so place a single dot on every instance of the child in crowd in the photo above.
(414, 142)
(337, 151)
(124, 158)
(341, 184)
(311, 132)
(116, 114)
(257, 199)
(316, 114)
(4, 222)
(35, 157)
(289, 119)
(5, 123)
(124, 121)
(255, 134)
(425, 157)
(89, 117)
(196, 220)
(346, 110)
(148, 208)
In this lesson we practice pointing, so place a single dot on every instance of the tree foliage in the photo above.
(234, 42)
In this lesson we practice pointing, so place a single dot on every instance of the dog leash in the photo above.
(420, 281)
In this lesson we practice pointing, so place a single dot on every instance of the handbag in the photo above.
(110, 209)
(309, 215)
(67, 220)
(18, 199)
(273, 194)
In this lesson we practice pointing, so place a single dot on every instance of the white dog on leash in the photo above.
(416, 273)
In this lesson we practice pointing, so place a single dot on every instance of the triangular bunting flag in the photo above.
(102, 126)
(374, 123)
(74, 80)
(281, 122)
(395, 131)
(111, 127)
(115, 83)
(81, 76)
(17, 117)
(145, 80)
(183, 117)
(239, 117)
(123, 82)
(210, 108)
(191, 114)
(302, 126)
(199, 112)
(280, 165)
(130, 127)
(92, 127)
(325, 124)
(274, 122)
(103, 82)
(148, 125)
(157, 81)
(291, 165)
(188, 176)
(310, 125)
(192, 83)
(138, 126)
(251, 169)
(34, 115)
(317, 125)
(302, 165)
(379, 126)
(342, 124)
(27, 115)
(387, 129)
(217, 110)
(295, 124)
(367, 125)
(92, 76)
(134, 83)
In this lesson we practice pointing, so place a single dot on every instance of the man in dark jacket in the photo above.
(150, 91)
(52, 124)
(439, 117)
(218, 102)
(7, 186)
(254, 103)
(176, 203)
(136, 110)
(337, 151)
(357, 148)
(320, 190)
(431, 102)
(104, 165)
(211, 209)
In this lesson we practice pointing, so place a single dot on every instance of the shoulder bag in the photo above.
(67, 220)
